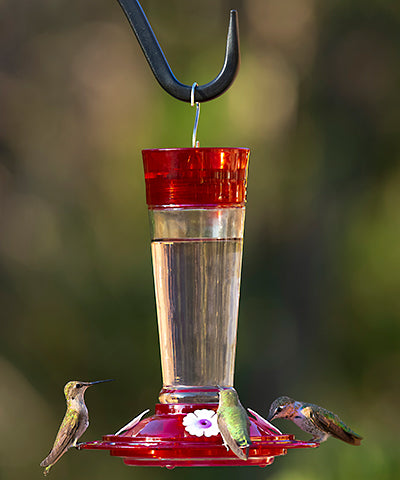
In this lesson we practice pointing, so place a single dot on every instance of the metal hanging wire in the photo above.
(195, 143)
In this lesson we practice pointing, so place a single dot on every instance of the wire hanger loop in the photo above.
(195, 143)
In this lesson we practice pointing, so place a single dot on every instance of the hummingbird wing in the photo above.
(332, 424)
(66, 435)
(234, 427)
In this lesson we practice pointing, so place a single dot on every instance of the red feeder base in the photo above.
(163, 441)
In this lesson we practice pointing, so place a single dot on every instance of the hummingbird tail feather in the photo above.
(354, 440)
(52, 458)
(242, 454)
(246, 451)
(46, 470)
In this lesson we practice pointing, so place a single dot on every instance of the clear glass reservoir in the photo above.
(197, 257)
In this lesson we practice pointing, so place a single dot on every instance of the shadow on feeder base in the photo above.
(162, 440)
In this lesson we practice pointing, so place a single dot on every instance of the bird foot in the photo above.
(77, 445)
(314, 440)
(225, 445)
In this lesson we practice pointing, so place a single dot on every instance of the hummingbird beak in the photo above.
(89, 384)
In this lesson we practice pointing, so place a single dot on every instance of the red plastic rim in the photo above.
(162, 440)
(196, 177)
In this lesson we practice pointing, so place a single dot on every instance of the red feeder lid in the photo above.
(196, 177)
(163, 441)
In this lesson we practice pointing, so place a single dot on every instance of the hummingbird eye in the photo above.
(279, 409)
(78, 385)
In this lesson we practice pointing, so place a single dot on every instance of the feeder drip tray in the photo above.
(163, 440)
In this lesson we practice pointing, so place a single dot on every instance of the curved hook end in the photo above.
(161, 68)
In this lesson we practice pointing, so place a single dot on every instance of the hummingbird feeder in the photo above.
(196, 201)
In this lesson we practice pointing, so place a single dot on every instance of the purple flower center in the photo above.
(204, 423)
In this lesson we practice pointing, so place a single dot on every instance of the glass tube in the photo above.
(197, 257)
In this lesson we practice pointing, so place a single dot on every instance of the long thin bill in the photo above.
(101, 381)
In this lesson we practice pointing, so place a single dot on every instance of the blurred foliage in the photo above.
(318, 102)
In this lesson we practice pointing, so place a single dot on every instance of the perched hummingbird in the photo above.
(313, 419)
(74, 424)
(233, 423)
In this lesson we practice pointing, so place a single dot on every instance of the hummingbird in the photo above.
(318, 421)
(233, 423)
(74, 424)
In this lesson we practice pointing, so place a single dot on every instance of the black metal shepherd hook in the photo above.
(162, 71)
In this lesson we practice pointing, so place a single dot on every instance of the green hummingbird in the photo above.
(318, 421)
(74, 424)
(233, 423)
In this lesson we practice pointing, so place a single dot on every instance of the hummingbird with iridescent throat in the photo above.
(74, 424)
(318, 421)
(233, 423)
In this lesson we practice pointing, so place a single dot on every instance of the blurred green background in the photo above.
(317, 100)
